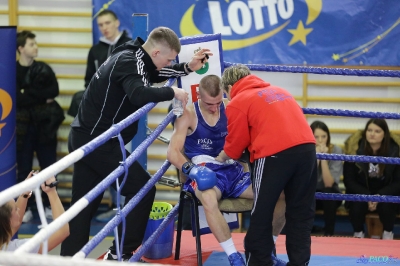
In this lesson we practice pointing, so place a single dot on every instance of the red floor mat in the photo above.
(329, 246)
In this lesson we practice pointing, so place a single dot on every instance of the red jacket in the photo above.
(263, 118)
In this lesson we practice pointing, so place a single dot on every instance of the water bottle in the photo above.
(177, 107)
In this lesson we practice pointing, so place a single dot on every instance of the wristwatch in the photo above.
(186, 167)
(188, 68)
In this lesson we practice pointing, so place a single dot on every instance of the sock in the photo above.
(275, 238)
(228, 246)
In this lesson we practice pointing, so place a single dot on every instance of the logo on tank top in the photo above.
(223, 134)
(205, 143)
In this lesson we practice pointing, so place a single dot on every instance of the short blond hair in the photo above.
(166, 37)
(211, 84)
(232, 74)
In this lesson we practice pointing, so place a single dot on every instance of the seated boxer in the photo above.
(201, 132)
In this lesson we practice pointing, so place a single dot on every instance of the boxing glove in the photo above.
(204, 177)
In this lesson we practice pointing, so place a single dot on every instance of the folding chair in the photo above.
(229, 205)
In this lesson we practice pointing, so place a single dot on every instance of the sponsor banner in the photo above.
(7, 107)
(295, 32)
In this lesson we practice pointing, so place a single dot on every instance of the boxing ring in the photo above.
(20, 256)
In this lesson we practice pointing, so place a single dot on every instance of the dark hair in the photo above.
(321, 125)
(165, 36)
(5, 224)
(22, 36)
(210, 84)
(108, 12)
(385, 145)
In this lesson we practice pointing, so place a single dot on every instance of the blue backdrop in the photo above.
(7, 107)
(295, 32)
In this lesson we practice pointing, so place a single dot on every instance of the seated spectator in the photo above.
(12, 212)
(329, 173)
(370, 178)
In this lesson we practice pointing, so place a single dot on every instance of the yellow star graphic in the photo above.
(335, 57)
(299, 34)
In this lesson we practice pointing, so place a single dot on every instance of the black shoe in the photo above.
(125, 257)
(317, 229)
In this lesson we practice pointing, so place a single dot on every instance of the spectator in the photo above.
(38, 114)
(11, 215)
(108, 24)
(329, 173)
(371, 178)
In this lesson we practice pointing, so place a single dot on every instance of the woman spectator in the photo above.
(12, 212)
(329, 173)
(370, 178)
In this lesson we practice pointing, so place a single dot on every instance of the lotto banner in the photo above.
(7, 107)
(295, 32)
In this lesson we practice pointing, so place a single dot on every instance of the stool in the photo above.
(374, 225)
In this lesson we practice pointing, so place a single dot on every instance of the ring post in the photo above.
(140, 29)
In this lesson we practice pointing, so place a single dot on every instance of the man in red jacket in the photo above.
(268, 122)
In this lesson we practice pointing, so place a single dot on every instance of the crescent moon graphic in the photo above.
(314, 9)
(6, 103)
(188, 28)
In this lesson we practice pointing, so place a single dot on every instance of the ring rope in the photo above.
(357, 197)
(349, 113)
(320, 70)
(128, 207)
(54, 169)
(135, 200)
(94, 193)
(57, 167)
(120, 246)
(358, 158)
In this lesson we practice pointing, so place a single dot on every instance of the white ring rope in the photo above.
(9, 259)
(36, 180)
(39, 204)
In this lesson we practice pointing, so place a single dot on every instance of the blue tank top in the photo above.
(206, 139)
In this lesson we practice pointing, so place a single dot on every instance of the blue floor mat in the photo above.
(220, 259)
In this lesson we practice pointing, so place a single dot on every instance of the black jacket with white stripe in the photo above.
(120, 87)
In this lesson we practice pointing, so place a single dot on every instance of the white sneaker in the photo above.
(387, 235)
(28, 216)
(359, 234)
(48, 213)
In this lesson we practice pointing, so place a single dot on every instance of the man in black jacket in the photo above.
(108, 24)
(121, 86)
(38, 114)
